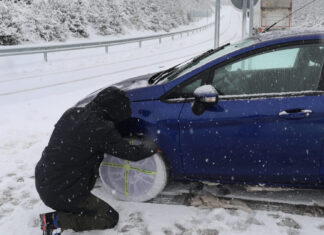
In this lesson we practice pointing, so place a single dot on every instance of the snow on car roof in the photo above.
(293, 32)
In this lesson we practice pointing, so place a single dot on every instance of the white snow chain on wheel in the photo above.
(133, 181)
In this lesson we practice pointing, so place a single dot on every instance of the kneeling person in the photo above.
(69, 165)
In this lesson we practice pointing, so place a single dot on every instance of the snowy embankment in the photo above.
(40, 92)
(30, 21)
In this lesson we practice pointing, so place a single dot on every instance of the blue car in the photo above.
(250, 112)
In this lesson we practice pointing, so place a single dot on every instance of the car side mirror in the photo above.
(205, 95)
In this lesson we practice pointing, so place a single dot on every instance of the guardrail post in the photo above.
(172, 37)
(140, 44)
(160, 40)
(181, 35)
(187, 33)
(217, 23)
(106, 49)
(45, 56)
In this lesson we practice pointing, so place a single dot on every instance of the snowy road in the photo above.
(76, 69)
(34, 94)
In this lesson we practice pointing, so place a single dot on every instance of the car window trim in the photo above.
(252, 96)
(321, 83)
(271, 95)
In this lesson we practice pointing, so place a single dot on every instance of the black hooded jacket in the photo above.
(69, 164)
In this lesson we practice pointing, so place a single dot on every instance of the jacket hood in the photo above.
(113, 104)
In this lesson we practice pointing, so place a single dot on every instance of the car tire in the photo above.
(134, 181)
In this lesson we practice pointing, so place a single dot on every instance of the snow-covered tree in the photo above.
(57, 20)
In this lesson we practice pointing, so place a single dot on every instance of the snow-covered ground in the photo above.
(34, 94)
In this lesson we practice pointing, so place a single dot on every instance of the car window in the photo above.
(186, 90)
(269, 60)
(290, 69)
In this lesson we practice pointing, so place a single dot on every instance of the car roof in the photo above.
(290, 33)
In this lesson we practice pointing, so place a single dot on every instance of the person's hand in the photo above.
(147, 148)
(151, 146)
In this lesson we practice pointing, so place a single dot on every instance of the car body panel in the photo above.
(143, 94)
(240, 133)
(158, 121)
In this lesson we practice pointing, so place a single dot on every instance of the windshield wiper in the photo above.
(153, 78)
(163, 74)
(156, 77)
(203, 55)
(208, 53)
(196, 60)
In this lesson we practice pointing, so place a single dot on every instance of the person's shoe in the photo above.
(50, 224)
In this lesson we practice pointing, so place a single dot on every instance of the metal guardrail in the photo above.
(106, 44)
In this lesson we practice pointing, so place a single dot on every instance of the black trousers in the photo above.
(92, 213)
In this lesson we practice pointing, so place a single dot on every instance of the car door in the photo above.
(269, 123)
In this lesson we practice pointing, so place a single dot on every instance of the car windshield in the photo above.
(188, 67)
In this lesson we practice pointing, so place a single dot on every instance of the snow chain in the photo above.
(127, 168)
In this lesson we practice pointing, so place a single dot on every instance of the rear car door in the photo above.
(269, 123)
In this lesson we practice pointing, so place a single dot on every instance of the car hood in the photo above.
(134, 83)
(138, 88)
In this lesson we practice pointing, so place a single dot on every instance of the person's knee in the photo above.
(116, 219)
(112, 218)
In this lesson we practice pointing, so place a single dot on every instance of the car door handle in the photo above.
(295, 113)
